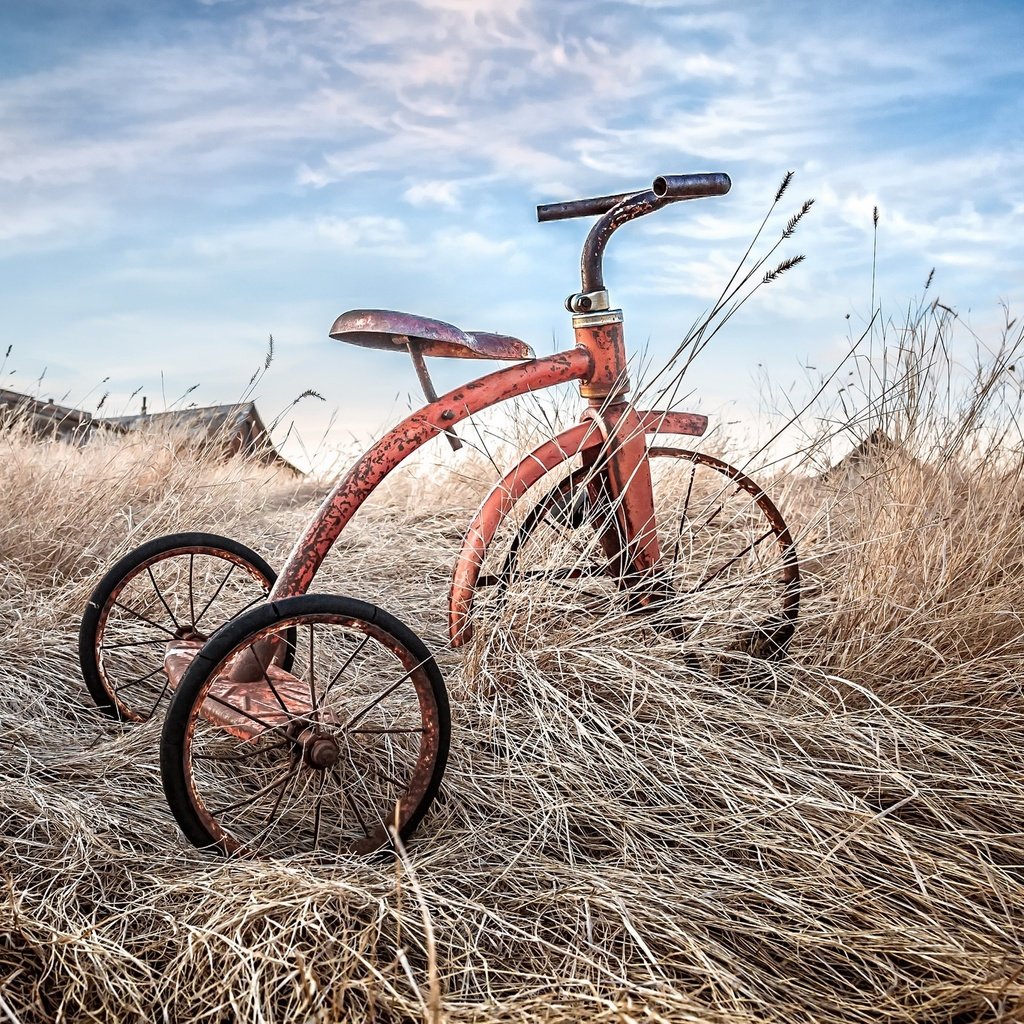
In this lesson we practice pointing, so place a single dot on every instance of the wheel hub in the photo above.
(319, 750)
(190, 633)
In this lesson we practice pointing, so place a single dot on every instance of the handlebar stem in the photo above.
(668, 188)
(593, 248)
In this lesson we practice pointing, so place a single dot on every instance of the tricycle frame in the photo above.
(590, 361)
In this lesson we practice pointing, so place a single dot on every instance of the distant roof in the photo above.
(237, 427)
(47, 419)
(204, 419)
(876, 444)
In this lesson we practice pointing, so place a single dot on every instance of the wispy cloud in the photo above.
(372, 135)
(433, 193)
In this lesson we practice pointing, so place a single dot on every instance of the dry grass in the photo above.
(623, 836)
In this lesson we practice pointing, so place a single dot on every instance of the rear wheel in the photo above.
(334, 759)
(183, 586)
(729, 579)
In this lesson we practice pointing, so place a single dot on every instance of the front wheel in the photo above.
(729, 578)
(329, 759)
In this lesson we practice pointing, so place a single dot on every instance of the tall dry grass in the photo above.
(624, 836)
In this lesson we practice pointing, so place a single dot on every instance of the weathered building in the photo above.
(47, 419)
(235, 429)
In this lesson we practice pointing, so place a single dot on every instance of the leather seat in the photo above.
(393, 331)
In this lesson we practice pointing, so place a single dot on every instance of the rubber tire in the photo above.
(124, 567)
(234, 633)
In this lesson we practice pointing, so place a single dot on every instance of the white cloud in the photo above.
(366, 234)
(31, 223)
(434, 193)
(471, 245)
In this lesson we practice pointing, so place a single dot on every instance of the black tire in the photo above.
(250, 745)
(558, 542)
(129, 620)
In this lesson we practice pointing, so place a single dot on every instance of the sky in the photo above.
(180, 179)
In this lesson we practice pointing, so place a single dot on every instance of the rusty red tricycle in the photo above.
(299, 722)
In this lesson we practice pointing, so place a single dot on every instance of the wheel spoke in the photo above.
(270, 683)
(250, 604)
(683, 515)
(337, 675)
(135, 682)
(390, 778)
(216, 594)
(383, 696)
(732, 561)
(348, 800)
(713, 523)
(387, 732)
(160, 697)
(123, 628)
(238, 711)
(707, 522)
(317, 810)
(295, 785)
(241, 756)
(280, 796)
(547, 575)
(269, 787)
(134, 643)
(139, 615)
(159, 594)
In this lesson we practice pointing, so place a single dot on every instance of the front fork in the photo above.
(630, 538)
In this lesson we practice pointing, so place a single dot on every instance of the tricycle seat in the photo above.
(388, 329)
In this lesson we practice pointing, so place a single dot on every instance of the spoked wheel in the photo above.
(180, 587)
(729, 578)
(327, 760)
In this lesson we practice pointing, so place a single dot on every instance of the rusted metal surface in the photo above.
(671, 186)
(588, 436)
(243, 705)
(502, 498)
(352, 490)
(691, 186)
(250, 696)
(601, 335)
(628, 475)
(320, 750)
(638, 205)
(768, 508)
(668, 188)
(774, 641)
(315, 741)
(188, 637)
(423, 374)
(581, 207)
(390, 330)
(656, 422)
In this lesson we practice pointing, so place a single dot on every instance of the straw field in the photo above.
(625, 833)
(628, 831)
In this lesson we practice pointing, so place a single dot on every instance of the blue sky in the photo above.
(178, 179)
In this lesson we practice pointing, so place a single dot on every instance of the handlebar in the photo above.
(580, 207)
(690, 186)
(669, 188)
